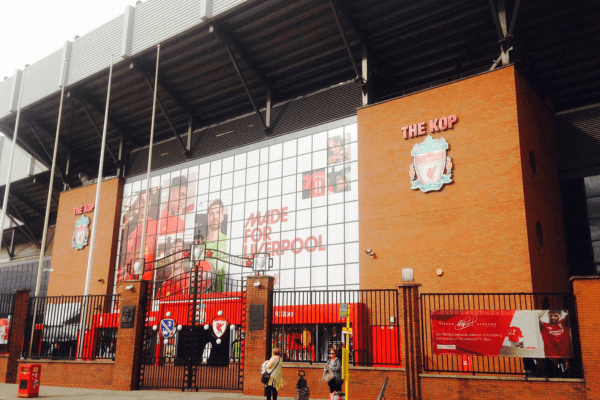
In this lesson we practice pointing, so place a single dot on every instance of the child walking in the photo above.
(302, 390)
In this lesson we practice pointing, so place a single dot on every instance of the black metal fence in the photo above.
(307, 324)
(7, 307)
(474, 364)
(54, 326)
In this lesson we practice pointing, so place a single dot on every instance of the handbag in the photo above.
(267, 375)
(328, 376)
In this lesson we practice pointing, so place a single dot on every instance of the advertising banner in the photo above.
(4, 327)
(507, 333)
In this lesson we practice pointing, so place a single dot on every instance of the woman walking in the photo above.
(334, 365)
(274, 368)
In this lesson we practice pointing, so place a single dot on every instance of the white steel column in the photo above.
(88, 275)
(147, 199)
(38, 283)
(11, 158)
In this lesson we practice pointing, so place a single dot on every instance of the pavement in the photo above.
(9, 391)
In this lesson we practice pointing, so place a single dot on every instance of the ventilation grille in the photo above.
(578, 139)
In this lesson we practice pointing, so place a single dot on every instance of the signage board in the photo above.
(507, 333)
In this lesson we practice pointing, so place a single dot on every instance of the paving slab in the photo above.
(9, 391)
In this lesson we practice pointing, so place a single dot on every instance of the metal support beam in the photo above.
(11, 252)
(112, 121)
(227, 36)
(24, 222)
(241, 76)
(43, 129)
(189, 134)
(268, 110)
(10, 248)
(366, 89)
(471, 45)
(8, 130)
(505, 32)
(44, 148)
(25, 203)
(165, 87)
(96, 128)
(45, 185)
(345, 39)
(164, 111)
(120, 160)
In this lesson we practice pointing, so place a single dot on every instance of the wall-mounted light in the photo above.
(101, 280)
(256, 284)
(130, 287)
(439, 271)
(370, 252)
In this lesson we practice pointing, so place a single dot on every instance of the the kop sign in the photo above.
(429, 157)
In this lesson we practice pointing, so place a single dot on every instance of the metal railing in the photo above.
(7, 308)
(307, 324)
(474, 364)
(54, 326)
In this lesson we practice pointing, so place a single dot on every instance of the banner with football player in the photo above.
(506, 333)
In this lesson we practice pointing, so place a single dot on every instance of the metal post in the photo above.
(147, 198)
(99, 186)
(11, 158)
(88, 276)
(38, 282)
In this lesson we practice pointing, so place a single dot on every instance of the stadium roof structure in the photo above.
(220, 59)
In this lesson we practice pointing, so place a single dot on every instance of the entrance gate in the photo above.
(194, 326)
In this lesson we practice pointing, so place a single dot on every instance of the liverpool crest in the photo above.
(81, 233)
(430, 160)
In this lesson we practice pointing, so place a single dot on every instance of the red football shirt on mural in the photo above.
(556, 340)
(133, 246)
(514, 334)
(170, 224)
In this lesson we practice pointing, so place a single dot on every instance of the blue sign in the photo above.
(167, 328)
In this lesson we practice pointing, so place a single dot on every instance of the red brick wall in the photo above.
(476, 228)
(70, 265)
(79, 374)
(3, 367)
(364, 383)
(500, 389)
(587, 295)
(257, 343)
(542, 192)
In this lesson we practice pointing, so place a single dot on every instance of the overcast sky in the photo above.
(32, 29)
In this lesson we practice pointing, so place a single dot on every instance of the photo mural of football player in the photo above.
(132, 231)
(296, 199)
(556, 334)
(211, 228)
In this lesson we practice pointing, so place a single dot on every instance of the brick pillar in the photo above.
(257, 337)
(17, 334)
(587, 299)
(127, 358)
(410, 307)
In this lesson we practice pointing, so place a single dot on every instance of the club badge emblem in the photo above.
(430, 160)
(81, 233)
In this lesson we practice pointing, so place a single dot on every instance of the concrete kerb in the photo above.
(8, 391)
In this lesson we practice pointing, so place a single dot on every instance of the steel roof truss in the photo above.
(357, 73)
(96, 127)
(242, 79)
(24, 224)
(164, 111)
